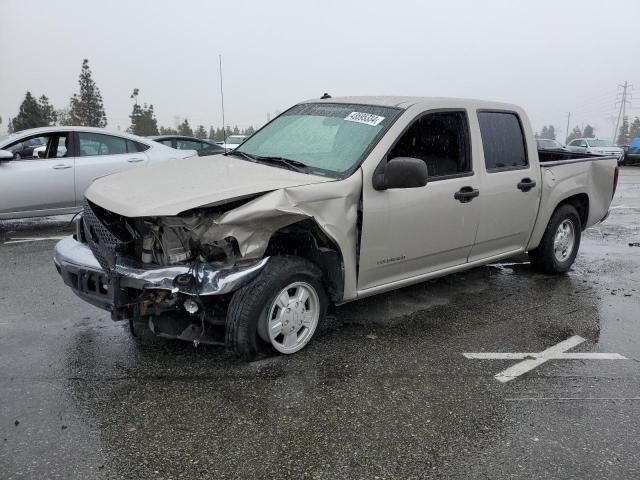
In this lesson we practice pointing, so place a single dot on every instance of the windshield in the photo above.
(600, 143)
(328, 138)
(548, 144)
(235, 140)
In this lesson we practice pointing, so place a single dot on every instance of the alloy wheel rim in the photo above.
(293, 317)
(563, 240)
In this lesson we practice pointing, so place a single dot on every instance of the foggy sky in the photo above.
(550, 57)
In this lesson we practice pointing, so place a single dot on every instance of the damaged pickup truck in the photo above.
(332, 201)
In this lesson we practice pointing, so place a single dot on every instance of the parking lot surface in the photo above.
(383, 392)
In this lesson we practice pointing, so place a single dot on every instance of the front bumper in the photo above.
(81, 271)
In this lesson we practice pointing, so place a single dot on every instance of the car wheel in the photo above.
(282, 308)
(560, 242)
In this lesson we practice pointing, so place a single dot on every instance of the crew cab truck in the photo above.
(334, 200)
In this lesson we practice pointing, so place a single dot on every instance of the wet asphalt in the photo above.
(383, 392)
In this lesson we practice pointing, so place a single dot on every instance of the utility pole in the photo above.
(623, 105)
(566, 139)
(224, 128)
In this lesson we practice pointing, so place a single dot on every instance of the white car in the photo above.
(233, 141)
(45, 171)
(595, 146)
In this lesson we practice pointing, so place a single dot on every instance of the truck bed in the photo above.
(568, 174)
(545, 156)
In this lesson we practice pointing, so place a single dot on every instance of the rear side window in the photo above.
(182, 144)
(92, 144)
(502, 141)
(133, 146)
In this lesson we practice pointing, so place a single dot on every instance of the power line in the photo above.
(623, 105)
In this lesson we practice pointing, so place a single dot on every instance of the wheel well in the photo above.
(581, 203)
(305, 239)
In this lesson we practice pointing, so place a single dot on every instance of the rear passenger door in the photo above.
(101, 154)
(510, 189)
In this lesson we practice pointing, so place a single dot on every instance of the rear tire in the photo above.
(288, 293)
(560, 242)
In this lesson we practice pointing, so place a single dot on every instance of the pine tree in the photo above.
(212, 133)
(236, 130)
(576, 133)
(185, 129)
(143, 120)
(34, 113)
(9, 126)
(544, 132)
(86, 108)
(200, 132)
(551, 132)
(250, 130)
(623, 135)
(588, 132)
(634, 129)
(168, 131)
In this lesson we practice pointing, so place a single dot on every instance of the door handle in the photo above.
(135, 160)
(526, 184)
(61, 166)
(466, 194)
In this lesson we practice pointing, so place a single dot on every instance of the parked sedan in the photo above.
(45, 171)
(203, 147)
(595, 146)
(548, 144)
(233, 142)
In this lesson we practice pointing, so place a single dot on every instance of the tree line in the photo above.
(86, 109)
(627, 132)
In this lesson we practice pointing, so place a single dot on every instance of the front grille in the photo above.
(103, 242)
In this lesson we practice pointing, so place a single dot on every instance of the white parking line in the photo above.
(32, 239)
(533, 360)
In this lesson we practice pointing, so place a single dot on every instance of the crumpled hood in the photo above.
(169, 188)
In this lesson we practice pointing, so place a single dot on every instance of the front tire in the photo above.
(283, 307)
(560, 242)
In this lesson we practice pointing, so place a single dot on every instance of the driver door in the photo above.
(409, 232)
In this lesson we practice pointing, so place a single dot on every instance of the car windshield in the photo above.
(548, 143)
(235, 140)
(327, 138)
(600, 143)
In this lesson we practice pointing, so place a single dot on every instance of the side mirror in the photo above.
(401, 172)
(5, 155)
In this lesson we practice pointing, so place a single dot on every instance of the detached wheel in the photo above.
(560, 242)
(282, 308)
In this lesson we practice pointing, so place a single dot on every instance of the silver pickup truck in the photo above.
(333, 201)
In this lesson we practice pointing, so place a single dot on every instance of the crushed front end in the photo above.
(171, 273)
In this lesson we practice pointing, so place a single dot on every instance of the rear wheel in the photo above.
(283, 307)
(560, 242)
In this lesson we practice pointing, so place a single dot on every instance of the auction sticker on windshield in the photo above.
(366, 118)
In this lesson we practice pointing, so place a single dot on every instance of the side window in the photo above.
(502, 140)
(168, 142)
(133, 146)
(440, 140)
(92, 144)
(188, 145)
(40, 147)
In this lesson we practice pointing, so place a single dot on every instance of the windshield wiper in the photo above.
(241, 154)
(292, 164)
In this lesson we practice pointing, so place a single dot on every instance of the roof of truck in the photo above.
(406, 102)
